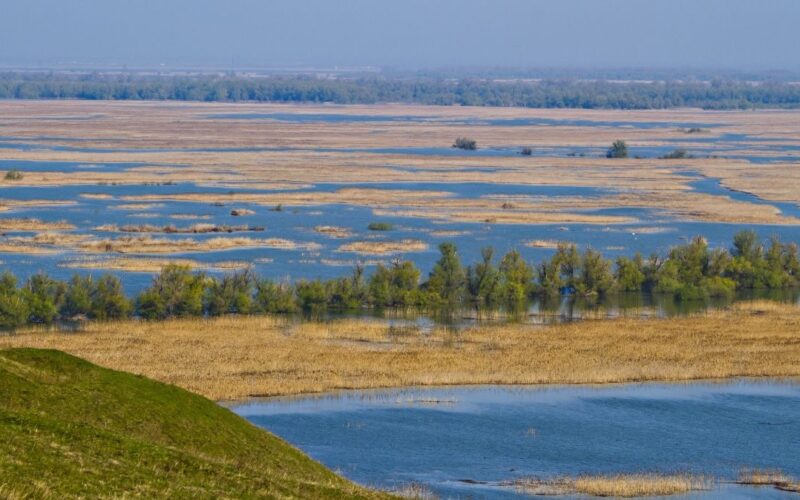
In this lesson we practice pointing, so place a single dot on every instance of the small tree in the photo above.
(465, 143)
(517, 277)
(108, 299)
(174, 292)
(483, 279)
(78, 298)
(44, 297)
(617, 150)
(230, 295)
(13, 175)
(312, 295)
(13, 306)
(447, 280)
(274, 297)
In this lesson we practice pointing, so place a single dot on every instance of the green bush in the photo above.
(617, 150)
(13, 175)
(465, 143)
(176, 291)
(380, 226)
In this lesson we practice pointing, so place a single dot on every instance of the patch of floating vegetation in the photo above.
(189, 216)
(31, 224)
(97, 196)
(149, 265)
(147, 244)
(239, 212)
(352, 262)
(384, 247)
(17, 204)
(41, 243)
(640, 230)
(543, 243)
(333, 231)
(615, 485)
(139, 206)
(199, 228)
(448, 233)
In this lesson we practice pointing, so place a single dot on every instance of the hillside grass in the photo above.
(71, 429)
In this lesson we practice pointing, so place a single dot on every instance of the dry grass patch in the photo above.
(147, 244)
(333, 231)
(30, 224)
(769, 477)
(150, 265)
(240, 357)
(383, 247)
(616, 485)
(552, 244)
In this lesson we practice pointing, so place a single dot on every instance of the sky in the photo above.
(411, 34)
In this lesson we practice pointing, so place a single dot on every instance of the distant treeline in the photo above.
(690, 271)
(566, 93)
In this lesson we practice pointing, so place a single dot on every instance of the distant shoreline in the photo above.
(370, 88)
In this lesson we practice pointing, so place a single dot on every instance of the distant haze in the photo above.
(746, 34)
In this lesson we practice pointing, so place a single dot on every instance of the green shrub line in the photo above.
(443, 90)
(688, 272)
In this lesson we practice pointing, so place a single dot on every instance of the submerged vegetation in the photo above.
(688, 272)
(70, 429)
(546, 93)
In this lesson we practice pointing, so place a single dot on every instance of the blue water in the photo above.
(497, 122)
(297, 223)
(441, 437)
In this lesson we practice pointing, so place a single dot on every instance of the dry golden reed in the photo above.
(239, 357)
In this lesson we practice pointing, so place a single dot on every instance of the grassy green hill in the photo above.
(69, 428)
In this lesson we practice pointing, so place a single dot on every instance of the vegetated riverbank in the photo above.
(235, 357)
(688, 272)
(71, 429)
(464, 91)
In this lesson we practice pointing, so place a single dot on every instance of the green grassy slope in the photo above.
(69, 428)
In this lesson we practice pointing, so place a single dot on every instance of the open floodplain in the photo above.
(292, 189)
(704, 404)
(634, 407)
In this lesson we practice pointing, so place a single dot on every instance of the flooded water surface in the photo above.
(471, 442)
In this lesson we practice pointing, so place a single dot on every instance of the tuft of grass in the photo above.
(69, 428)
(415, 491)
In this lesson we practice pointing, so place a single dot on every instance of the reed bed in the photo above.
(383, 247)
(32, 224)
(149, 265)
(239, 357)
(616, 485)
(769, 477)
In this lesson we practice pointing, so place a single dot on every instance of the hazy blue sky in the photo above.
(411, 33)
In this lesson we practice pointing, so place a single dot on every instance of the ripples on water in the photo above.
(486, 435)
